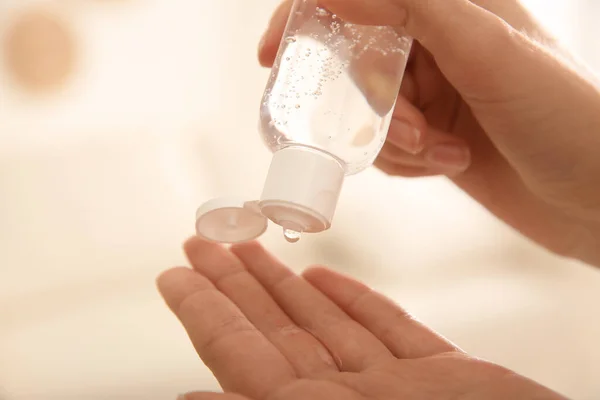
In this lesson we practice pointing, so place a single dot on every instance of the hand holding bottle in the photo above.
(490, 100)
(321, 119)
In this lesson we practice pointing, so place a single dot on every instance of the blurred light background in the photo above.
(144, 110)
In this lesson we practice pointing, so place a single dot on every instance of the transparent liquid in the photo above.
(333, 86)
(291, 236)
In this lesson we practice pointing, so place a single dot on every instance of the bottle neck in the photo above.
(302, 189)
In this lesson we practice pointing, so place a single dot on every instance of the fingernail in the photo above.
(449, 156)
(407, 137)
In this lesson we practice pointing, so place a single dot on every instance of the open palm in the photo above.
(267, 333)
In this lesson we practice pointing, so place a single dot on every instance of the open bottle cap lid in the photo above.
(230, 220)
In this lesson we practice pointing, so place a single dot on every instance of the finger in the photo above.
(409, 89)
(396, 162)
(405, 171)
(411, 142)
(306, 354)
(395, 155)
(353, 347)
(400, 332)
(415, 149)
(427, 77)
(434, 155)
(408, 129)
(241, 358)
(212, 396)
(269, 43)
(443, 159)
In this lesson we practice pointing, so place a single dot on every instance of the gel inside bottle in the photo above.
(325, 114)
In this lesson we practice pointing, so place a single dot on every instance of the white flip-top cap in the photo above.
(302, 189)
(300, 194)
(230, 220)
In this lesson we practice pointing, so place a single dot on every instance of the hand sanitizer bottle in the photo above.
(325, 114)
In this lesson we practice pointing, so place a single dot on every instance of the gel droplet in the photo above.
(290, 39)
(291, 236)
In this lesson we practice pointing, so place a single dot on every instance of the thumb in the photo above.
(474, 48)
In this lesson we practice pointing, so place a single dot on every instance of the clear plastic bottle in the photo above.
(325, 114)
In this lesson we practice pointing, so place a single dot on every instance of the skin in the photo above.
(267, 333)
(490, 100)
